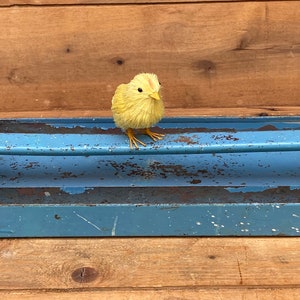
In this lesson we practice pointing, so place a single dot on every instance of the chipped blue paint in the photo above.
(152, 220)
(247, 189)
(187, 143)
(250, 171)
(207, 177)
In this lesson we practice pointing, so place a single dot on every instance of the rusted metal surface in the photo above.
(262, 170)
(207, 177)
(141, 196)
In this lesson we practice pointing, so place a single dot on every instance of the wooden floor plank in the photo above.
(149, 263)
(167, 294)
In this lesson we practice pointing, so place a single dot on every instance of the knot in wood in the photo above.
(85, 275)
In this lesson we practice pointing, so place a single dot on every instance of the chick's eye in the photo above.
(140, 90)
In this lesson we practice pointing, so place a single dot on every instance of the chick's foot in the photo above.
(154, 135)
(133, 140)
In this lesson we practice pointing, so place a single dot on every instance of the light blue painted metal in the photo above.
(77, 173)
(208, 176)
(252, 135)
(151, 220)
(187, 143)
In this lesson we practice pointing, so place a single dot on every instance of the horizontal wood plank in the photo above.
(103, 2)
(216, 55)
(149, 294)
(149, 263)
(191, 112)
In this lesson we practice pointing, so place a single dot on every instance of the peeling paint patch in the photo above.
(292, 188)
(248, 189)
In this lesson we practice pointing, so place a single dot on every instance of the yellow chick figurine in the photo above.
(138, 105)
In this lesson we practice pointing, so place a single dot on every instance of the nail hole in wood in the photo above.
(120, 61)
(212, 257)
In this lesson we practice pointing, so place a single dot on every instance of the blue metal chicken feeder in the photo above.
(207, 177)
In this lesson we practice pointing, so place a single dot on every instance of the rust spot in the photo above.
(220, 172)
(32, 165)
(156, 169)
(185, 139)
(135, 169)
(24, 127)
(13, 178)
(57, 217)
(195, 181)
(85, 275)
(177, 170)
(27, 192)
(228, 137)
(268, 128)
(68, 175)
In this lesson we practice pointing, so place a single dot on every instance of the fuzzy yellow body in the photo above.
(138, 105)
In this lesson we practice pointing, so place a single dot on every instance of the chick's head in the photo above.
(138, 104)
(145, 86)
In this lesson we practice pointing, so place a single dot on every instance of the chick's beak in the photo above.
(155, 96)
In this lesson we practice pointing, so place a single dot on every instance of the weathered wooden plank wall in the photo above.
(212, 58)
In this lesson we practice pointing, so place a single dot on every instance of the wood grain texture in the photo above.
(101, 2)
(165, 294)
(191, 112)
(40, 264)
(214, 55)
